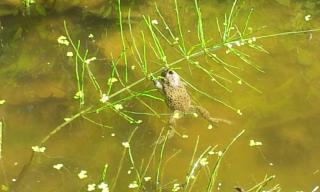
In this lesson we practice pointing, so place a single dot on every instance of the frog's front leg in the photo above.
(157, 83)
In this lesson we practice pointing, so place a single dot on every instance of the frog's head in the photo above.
(170, 77)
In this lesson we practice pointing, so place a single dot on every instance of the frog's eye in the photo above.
(170, 72)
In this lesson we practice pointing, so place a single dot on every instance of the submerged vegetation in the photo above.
(124, 83)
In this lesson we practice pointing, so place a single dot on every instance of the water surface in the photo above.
(39, 83)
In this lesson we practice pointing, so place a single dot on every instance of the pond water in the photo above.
(38, 84)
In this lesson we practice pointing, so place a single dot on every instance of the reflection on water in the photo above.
(38, 84)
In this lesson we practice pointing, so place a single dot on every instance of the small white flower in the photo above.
(129, 172)
(238, 43)
(210, 126)
(155, 22)
(133, 185)
(2, 101)
(307, 17)
(63, 40)
(112, 80)
(204, 161)
(82, 174)
(113, 134)
(253, 143)
(69, 54)
(90, 36)
(147, 178)
(78, 95)
(254, 39)
(185, 136)
(239, 82)
(118, 106)
(104, 98)
(133, 67)
(195, 114)
(90, 60)
(13, 180)
(176, 187)
(58, 166)
(38, 149)
(139, 121)
(104, 187)
(91, 187)
(219, 153)
(239, 112)
(125, 144)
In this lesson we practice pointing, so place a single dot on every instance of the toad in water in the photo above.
(178, 99)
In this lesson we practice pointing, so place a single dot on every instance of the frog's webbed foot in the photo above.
(173, 118)
(171, 131)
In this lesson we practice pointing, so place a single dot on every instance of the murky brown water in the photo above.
(38, 83)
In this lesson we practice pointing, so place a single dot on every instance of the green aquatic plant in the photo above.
(157, 36)
(27, 6)
(33, 5)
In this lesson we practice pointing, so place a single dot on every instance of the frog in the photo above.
(179, 100)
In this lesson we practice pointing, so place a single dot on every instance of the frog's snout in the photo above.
(164, 72)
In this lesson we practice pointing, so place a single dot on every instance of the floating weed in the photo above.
(141, 57)
(181, 41)
(262, 185)
(126, 146)
(214, 171)
(123, 42)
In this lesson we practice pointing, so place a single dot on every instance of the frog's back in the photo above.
(177, 98)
